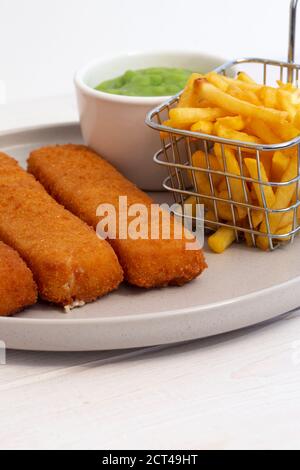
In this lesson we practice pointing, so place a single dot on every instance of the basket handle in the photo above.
(292, 36)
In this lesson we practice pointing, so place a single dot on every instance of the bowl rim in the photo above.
(137, 100)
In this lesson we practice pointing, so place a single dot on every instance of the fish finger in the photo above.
(69, 263)
(81, 180)
(17, 287)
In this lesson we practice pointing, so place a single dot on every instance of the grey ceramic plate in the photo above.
(242, 287)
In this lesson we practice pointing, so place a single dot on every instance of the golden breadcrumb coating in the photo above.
(69, 263)
(17, 287)
(80, 179)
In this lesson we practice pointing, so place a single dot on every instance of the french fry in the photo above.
(266, 160)
(253, 196)
(203, 104)
(286, 86)
(204, 127)
(191, 201)
(235, 106)
(280, 162)
(188, 97)
(257, 218)
(248, 239)
(247, 235)
(285, 98)
(202, 181)
(169, 123)
(245, 95)
(209, 214)
(283, 231)
(221, 80)
(285, 130)
(217, 80)
(236, 123)
(203, 185)
(252, 98)
(259, 189)
(261, 130)
(296, 120)
(286, 103)
(188, 116)
(210, 217)
(222, 185)
(235, 91)
(254, 87)
(232, 166)
(244, 77)
(287, 219)
(221, 239)
(227, 133)
(194, 200)
(199, 160)
(283, 197)
(282, 158)
(268, 96)
(225, 209)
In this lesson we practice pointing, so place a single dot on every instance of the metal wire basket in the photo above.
(179, 146)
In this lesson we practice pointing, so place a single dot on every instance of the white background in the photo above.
(43, 42)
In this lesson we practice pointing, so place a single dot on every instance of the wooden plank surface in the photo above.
(238, 390)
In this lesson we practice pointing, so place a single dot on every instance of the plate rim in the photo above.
(37, 128)
(154, 315)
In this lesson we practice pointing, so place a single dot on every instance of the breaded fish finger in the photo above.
(69, 263)
(17, 287)
(81, 180)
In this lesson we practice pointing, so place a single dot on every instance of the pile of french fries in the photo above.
(243, 110)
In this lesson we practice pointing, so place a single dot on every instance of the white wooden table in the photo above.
(239, 390)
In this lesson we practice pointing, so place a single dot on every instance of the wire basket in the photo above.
(178, 146)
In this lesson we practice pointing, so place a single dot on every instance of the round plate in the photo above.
(241, 287)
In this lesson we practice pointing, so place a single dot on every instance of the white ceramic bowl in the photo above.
(114, 125)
